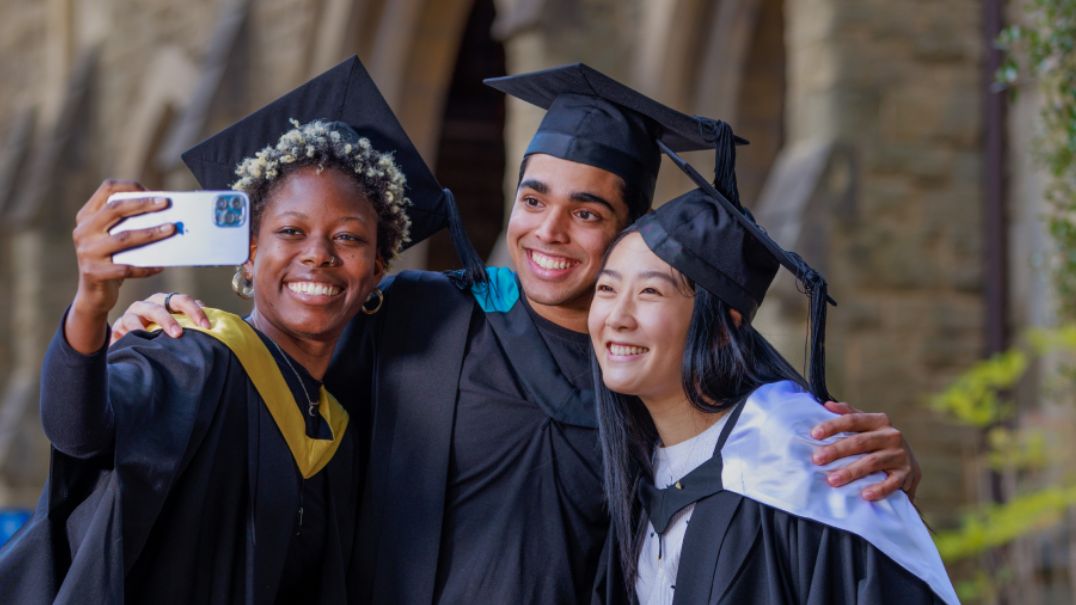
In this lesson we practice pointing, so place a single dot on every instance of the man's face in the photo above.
(564, 217)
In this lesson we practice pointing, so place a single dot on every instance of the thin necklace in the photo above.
(311, 404)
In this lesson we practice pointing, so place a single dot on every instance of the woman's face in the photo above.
(639, 322)
(314, 255)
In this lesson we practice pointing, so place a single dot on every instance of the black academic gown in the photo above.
(448, 445)
(193, 499)
(744, 549)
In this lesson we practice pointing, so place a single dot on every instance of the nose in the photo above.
(621, 314)
(319, 252)
(553, 229)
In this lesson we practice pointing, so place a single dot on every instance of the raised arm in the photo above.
(75, 412)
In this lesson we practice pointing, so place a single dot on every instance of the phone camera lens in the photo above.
(237, 203)
(222, 203)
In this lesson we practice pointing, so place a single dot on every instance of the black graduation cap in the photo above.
(346, 94)
(716, 243)
(593, 119)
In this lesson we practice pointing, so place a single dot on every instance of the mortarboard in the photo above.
(717, 244)
(593, 119)
(345, 94)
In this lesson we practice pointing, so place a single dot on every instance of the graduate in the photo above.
(217, 468)
(705, 429)
(484, 476)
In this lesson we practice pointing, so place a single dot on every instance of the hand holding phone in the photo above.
(212, 228)
(99, 277)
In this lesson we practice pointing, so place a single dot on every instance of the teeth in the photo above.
(625, 350)
(550, 262)
(314, 288)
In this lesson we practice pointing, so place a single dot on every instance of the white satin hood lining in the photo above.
(767, 458)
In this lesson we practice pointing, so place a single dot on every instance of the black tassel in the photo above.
(725, 164)
(474, 269)
(817, 290)
(720, 134)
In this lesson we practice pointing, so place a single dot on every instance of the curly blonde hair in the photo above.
(325, 144)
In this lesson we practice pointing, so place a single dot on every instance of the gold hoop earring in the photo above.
(380, 299)
(242, 285)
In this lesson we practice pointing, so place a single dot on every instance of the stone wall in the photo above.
(902, 87)
(897, 85)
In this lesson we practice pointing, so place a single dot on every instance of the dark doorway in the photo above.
(470, 154)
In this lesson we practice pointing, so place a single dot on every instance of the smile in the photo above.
(314, 288)
(619, 350)
(553, 263)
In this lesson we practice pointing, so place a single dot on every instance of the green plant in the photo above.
(1042, 50)
(1028, 454)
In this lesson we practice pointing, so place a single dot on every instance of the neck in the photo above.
(676, 420)
(313, 354)
(571, 315)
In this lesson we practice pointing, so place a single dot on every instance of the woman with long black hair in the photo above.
(705, 432)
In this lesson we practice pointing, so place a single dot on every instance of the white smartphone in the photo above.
(212, 229)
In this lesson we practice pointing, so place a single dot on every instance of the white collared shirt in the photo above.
(655, 583)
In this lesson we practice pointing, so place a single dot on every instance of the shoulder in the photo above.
(193, 349)
(768, 453)
(419, 289)
(767, 459)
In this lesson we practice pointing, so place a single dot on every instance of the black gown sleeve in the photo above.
(98, 509)
(75, 412)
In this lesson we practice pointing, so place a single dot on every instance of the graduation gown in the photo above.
(769, 529)
(484, 479)
(193, 495)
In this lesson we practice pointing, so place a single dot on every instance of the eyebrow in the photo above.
(576, 196)
(303, 215)
(645, 274)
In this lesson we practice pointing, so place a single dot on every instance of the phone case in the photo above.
(212, 229)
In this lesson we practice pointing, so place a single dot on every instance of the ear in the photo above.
(379, 268)
(248, 267)
(737, 317)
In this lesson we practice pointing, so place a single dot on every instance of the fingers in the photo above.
(122, 240)
(186, 304)
(142, 313)
(129, 322)
(884, 438)
(884, 488)
(851, 422)
(890, 461)
(840, 407)
(104, 190)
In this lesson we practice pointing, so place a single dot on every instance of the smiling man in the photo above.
(484, 475)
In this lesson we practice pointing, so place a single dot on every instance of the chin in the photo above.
(317, 326)
(545, 293)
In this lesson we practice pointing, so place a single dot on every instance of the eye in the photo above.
(290, 231)
(587, 215)
(651, 291)
(530, 202)
(351, 238)
(603, 288)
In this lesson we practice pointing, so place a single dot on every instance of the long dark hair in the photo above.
(723, 363)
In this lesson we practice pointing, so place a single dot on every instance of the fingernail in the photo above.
(174, 332)
(818, 458)
(165, 228)
(870, 494)
(835, 478)
(816, 433)
(205, 324)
